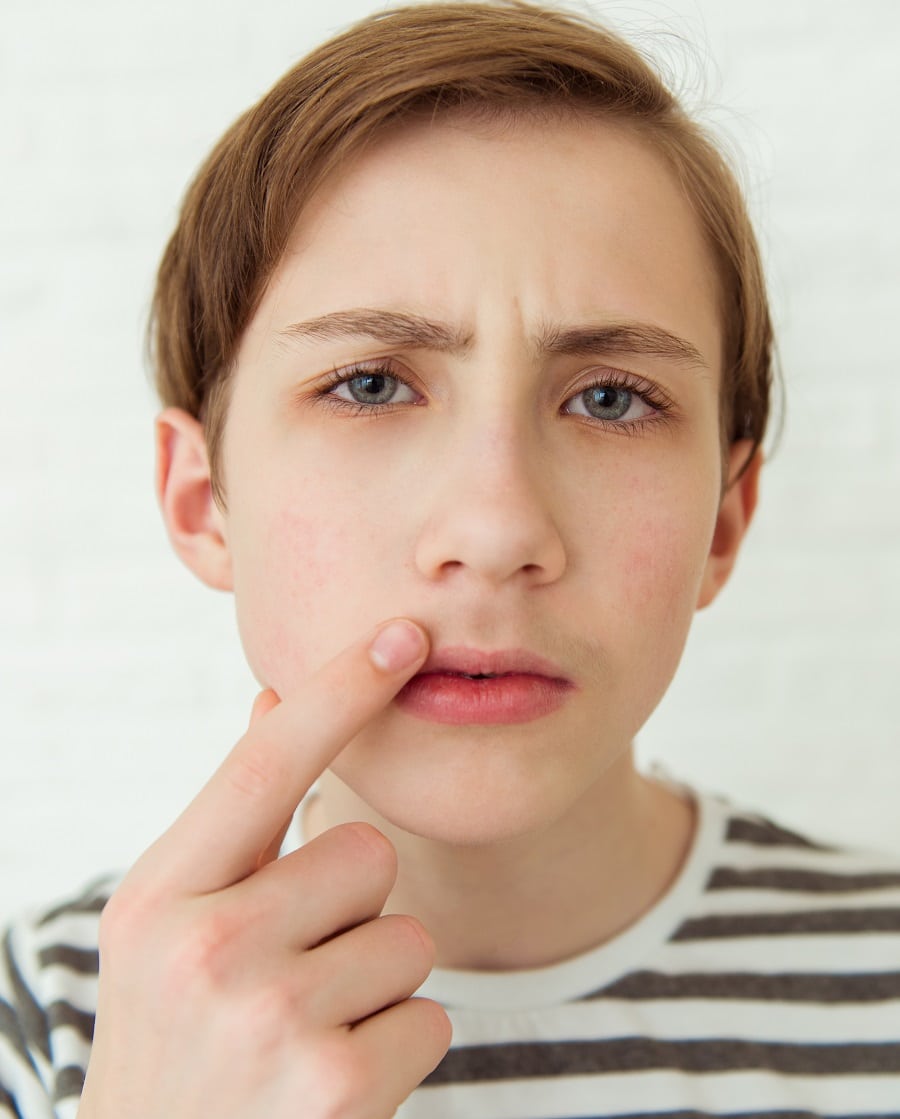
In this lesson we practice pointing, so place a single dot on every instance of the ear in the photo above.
(194, 522)
(735, 514)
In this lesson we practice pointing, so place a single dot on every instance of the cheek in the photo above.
(663, 560)
(652, 576)
(291, 588)
(656, 553)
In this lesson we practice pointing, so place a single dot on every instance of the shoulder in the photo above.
(758, 852)
(48, 998)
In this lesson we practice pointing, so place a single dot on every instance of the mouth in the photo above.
(477, 664)
(461, 686)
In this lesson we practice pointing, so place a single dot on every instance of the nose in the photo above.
(491, 514)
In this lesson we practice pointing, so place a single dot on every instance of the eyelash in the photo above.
(663, 408)
(337, 377)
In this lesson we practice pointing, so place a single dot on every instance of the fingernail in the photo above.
(397, 646)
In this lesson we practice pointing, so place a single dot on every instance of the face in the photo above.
(535, 472)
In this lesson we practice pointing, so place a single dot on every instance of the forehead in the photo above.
(547, 220)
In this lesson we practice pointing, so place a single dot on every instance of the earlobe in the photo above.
(736, 511)
(194, 522)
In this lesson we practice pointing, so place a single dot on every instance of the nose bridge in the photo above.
(504, 453)
(492, 509)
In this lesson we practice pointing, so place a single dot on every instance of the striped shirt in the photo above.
(765, 982)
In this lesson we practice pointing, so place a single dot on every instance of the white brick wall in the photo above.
(121, 677)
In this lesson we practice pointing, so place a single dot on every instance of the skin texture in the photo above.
(487, 505)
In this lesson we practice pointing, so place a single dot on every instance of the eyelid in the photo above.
(345, 382)
(652, 393)
(611, 375)
(323, 389)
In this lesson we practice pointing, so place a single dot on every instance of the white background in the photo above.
(121, 677)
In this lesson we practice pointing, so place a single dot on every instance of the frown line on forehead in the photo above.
(403, 328)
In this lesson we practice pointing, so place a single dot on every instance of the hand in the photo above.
(238, 984)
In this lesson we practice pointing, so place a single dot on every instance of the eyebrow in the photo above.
(621, 338)
(400, 328)
(406, 329)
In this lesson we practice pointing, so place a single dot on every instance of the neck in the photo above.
(542, 897)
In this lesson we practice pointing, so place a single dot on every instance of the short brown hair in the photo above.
(496, 58)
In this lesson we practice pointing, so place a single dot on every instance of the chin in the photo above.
(480, 826)
(469, 787)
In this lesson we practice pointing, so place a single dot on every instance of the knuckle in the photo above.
(430, 1031)
(343, 1079)
(369, 845)
(268, 1014)
(126, 918)
(114, 920)
(202, 951)
(411, 938)
(303, 998)
(433, 1026)
(167, 952)
(257, 767)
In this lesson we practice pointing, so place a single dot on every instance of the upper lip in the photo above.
(478, 662)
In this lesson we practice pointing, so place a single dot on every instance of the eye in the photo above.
(373, 388)
(610, 402)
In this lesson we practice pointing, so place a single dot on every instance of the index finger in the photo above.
(218, 838)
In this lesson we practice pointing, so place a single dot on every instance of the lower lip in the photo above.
(515, 697)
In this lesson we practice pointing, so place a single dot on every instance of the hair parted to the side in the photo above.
(496, 58)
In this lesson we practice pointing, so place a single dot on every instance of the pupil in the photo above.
(372, 384)
(607, 403)
(372, 388)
